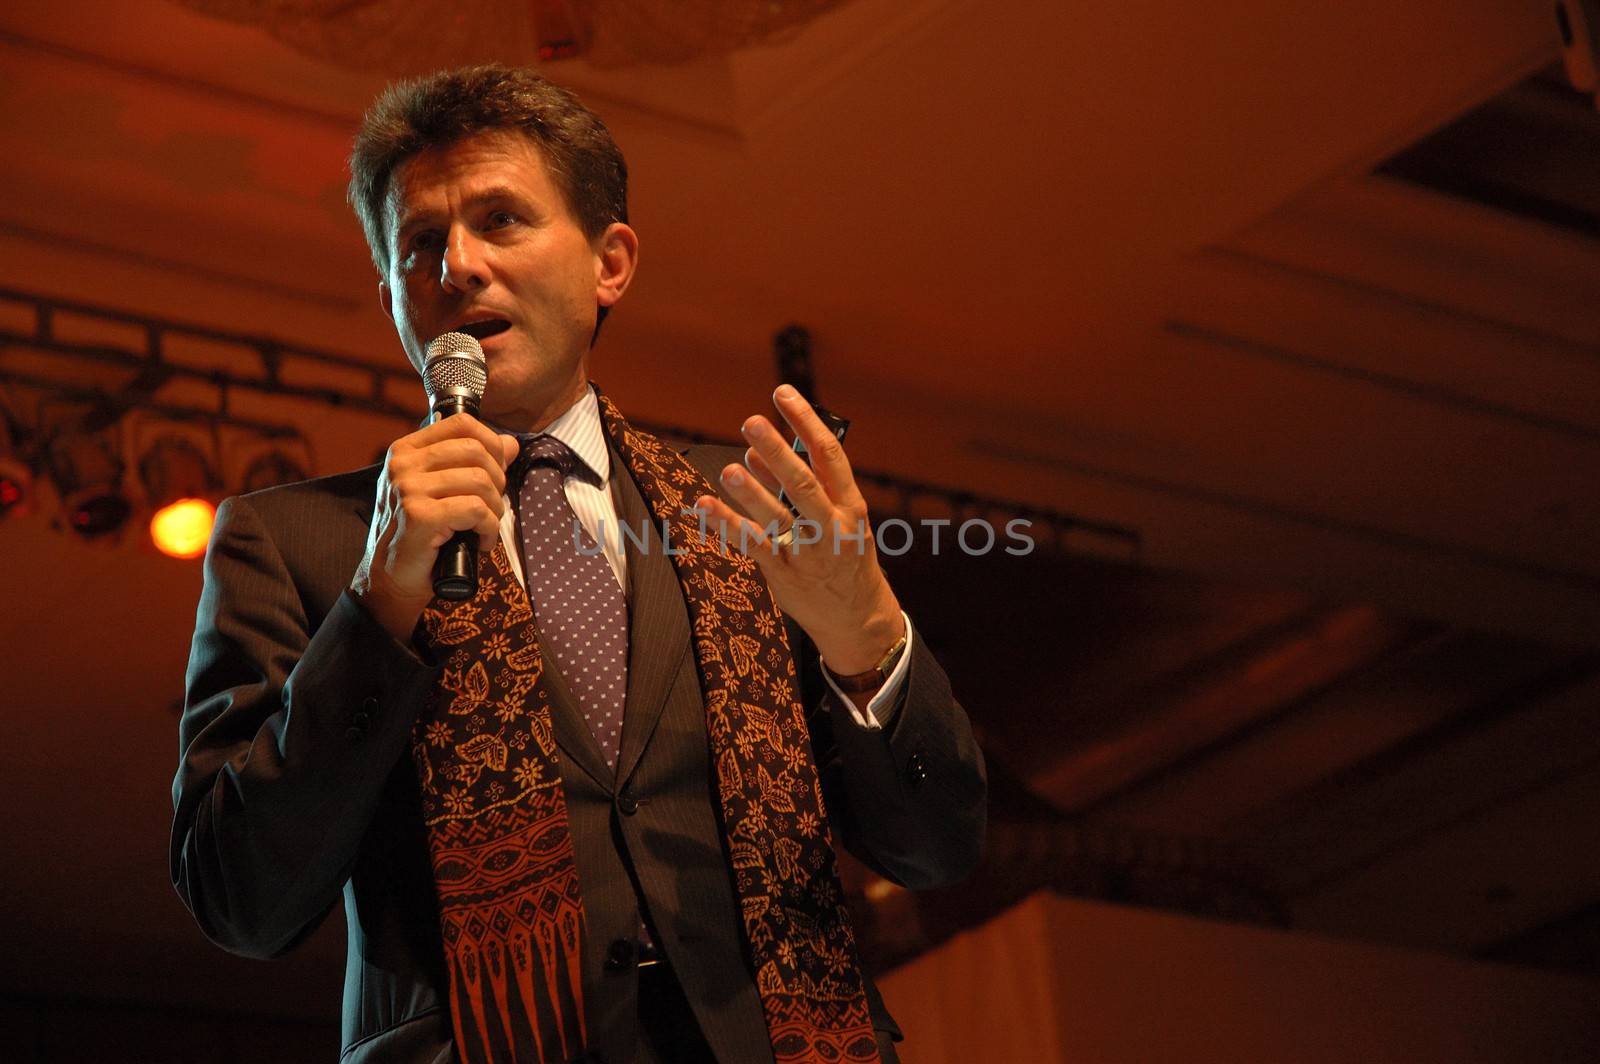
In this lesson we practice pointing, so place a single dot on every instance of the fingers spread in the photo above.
(757, 501)
(758, 469)
(799, 484)
(828, 459)
(735, 530)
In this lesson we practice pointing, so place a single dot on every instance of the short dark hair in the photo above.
(440, 109)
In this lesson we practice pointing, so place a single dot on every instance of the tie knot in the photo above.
(544, 451)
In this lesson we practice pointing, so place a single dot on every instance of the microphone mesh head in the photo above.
(455, 365)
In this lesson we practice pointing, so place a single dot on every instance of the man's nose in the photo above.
(464, 267)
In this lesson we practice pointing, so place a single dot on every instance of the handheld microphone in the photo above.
(455, 374)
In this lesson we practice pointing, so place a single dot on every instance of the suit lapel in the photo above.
(572, 732)
(658, 623)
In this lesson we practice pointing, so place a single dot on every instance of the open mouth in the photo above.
(482, 330)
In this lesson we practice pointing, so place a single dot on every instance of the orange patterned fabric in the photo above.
(511, 914)
(784, 871)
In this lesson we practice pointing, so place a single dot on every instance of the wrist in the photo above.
(868, 645)
(395, 614)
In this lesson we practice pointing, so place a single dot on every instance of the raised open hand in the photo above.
(821, 565)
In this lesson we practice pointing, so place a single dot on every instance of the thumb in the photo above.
(510, 447)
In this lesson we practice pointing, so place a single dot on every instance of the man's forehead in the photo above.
(473, 167)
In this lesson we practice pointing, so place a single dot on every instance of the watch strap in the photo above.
(861, 682)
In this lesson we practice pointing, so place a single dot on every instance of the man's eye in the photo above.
(418, 247)
(501, 219)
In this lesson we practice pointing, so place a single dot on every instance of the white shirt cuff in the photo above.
(876, 715)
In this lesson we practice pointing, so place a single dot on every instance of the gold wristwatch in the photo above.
(875, 677)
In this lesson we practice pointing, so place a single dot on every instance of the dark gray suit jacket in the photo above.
(295, 782)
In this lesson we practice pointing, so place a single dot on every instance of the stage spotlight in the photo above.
(87, 471)
(271, 468)
(182, 529)
(181, 486)
(16, 474)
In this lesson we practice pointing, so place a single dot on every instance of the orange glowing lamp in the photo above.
(179, 488)
(182, 529)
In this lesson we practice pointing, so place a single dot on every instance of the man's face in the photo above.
(481, 241)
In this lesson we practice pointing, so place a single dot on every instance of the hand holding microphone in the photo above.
(439, 497)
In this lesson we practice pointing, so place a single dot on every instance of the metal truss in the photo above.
(266, 366)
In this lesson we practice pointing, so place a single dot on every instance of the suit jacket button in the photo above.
(627, 803)
(361, 718)
(619, 954)
(916, 771)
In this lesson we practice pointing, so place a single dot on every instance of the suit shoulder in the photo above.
(336, 491)
(316, 529)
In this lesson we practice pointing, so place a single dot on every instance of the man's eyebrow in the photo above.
(399, 223)
(492, 194)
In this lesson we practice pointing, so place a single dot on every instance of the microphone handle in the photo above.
(455, 570)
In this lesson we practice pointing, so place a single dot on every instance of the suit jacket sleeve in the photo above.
(910, 800)
(298, 706)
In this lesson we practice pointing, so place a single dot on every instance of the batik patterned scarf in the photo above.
(511, 914)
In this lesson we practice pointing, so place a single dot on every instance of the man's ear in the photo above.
(386, 299)
(617, 256)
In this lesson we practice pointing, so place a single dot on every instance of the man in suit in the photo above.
(585, 815)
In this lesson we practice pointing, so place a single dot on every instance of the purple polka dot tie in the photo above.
(580, 608)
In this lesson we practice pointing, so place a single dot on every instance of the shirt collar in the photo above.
(580, 428)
